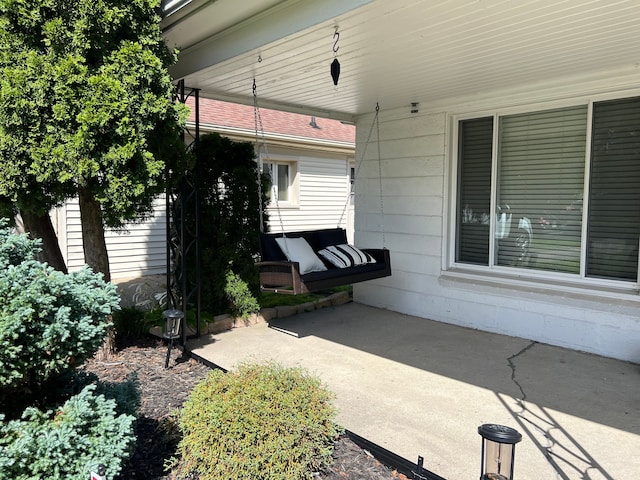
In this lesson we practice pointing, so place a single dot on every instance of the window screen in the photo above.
(541, 159)
(474, 191)
(614, 203)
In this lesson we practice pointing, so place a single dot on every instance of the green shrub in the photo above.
(130, 323)
(14, 249)
(261, 421)
(242, 302)
(50, 322)
(231, 201)
(125, 393)
(67, 443)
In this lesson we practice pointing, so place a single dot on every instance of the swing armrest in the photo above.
(280, 276)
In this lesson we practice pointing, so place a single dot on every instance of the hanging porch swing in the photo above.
(309, 261)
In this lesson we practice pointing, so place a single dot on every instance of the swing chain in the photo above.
(374, 124)
(258, 121)
(260, 138)
(380, 177)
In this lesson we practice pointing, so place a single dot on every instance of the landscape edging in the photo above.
(224, 322)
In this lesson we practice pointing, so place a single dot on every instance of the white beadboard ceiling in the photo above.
(396, 52)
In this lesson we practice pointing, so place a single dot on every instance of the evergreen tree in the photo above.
(86, 111)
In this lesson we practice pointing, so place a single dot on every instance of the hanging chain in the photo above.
(380, 176)
(260, 136)
(374, 122)
(256, 115)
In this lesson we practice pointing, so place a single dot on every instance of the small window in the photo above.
(352, 179)
(282, 176)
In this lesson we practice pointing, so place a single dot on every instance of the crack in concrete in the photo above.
(513, 368)
(522, 415)
(565, 455)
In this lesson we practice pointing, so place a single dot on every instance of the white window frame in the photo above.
(515, 276)
(292, 188)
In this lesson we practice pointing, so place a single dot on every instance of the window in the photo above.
(525, 182)
(282, 180)
(352, 180)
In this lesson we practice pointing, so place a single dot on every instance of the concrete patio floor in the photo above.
(419, 387)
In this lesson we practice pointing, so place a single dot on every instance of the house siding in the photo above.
(323, 157)
(138, 250)
(416, 169)
(322, 192)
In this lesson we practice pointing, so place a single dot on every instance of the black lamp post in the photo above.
(498, 451)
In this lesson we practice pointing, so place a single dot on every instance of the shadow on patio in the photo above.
(418, 387)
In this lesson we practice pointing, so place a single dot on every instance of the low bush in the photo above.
(262, 421)
(67, 443)
(130, 324)
(52, 424)
(242, 302)
(50, 322)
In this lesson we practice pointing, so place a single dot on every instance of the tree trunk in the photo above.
(93, 243)
(40, 226)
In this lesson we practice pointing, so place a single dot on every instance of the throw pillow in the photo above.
(298, 250)
(344, 256)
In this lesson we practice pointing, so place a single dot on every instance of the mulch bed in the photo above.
(163, 391)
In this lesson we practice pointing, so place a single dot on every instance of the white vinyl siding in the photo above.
(137, 251)
(320, 192)
(419, 181)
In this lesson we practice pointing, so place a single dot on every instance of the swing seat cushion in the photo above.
(298, 250)
(282, 274)
(345, 255)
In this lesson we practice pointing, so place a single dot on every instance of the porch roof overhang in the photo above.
(431, 52)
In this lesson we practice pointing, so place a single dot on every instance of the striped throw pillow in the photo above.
(344, 256)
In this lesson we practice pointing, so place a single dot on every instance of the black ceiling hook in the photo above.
(335, 65)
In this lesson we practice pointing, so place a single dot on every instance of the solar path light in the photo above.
(498, 451)
(173, 320)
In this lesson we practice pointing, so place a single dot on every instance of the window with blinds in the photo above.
(614, 200)
(541, 160)
(540, 194)
(474, 191)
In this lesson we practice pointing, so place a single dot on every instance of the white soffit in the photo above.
(398, 52)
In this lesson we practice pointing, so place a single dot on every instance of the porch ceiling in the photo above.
(398, 52)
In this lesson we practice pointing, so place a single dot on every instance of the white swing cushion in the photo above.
(298, 250)
(345, 256)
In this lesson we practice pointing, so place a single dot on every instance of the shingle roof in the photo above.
(225, 114)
